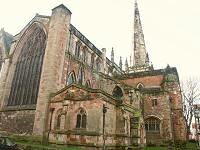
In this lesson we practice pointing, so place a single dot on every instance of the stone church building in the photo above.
(58, 86)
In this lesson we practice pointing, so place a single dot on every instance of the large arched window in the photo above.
(71, 78)
(117, 92)
(152, 124)
(80, 75)
(81, 119)
(26, 79)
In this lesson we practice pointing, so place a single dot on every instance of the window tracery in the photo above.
(152, 124)
(25, 84)
(77, 49)
(117, 92)
(71, 78)
(81, 119)
(80, 75)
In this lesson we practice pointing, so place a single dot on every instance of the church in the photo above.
(55, 84)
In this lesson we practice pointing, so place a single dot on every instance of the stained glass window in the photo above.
(25, 84)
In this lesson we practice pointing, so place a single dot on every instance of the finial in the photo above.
(130, 60)
(112, 55)
(126, 65)
(147, 58)
(120, 62)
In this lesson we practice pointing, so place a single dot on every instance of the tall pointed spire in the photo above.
(140, 54)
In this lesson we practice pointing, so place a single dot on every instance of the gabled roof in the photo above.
(86, 89)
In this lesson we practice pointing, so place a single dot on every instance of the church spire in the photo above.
(140, 54)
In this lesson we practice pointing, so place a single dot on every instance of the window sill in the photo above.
(19, 108)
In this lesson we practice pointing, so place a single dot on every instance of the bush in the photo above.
(192, 141)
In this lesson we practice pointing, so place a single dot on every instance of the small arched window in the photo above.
(80, 75)
(117, 92)
(87, 84)
(92, 61)
(81, 119)
(77, 49)
(140, 86)
(152, 124)
(71, 78)
(84, 56)
(98, 65)
(58, 122)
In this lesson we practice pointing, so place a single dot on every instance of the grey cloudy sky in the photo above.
(171, 27)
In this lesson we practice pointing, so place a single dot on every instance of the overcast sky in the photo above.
(171, 27)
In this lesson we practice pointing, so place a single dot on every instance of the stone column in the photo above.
(3, 77)
(53, 62)
(6, 77)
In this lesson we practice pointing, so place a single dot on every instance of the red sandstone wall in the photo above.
(146, 81)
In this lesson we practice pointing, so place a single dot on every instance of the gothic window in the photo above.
(84, 54)
(92, 61)
(87, 84)
(77, 49)
(25, 84)
(98, 65)
(117, 92)
(58, 122)
(71, 78)
(81, 119)
(80, 75)
(154, 102)
(140, 86)
(152, 124)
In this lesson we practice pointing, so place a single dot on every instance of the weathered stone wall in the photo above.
(117, 130)
(146, 80)
(92, 134)
(95, 78)
(58, 31)
(17, 122)
(163, 112)
(172, 85)
(153, 90)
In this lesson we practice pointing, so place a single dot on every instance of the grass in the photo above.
(189, 146)
(33, 146)
(156, 148)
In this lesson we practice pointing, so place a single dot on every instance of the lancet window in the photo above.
(81, 119)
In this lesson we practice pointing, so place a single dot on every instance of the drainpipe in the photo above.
(104, 117)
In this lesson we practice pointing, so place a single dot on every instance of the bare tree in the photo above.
(190, 95)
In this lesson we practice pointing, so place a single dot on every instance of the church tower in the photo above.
(141, 58)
